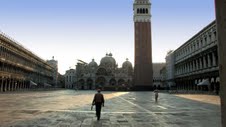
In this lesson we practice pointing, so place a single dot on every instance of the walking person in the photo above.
(156, 95)
(98, 101)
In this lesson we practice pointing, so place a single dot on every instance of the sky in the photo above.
(88, 29)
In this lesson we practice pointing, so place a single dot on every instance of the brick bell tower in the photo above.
(143, 70)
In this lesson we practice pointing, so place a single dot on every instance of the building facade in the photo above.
(106, 75)
(170, 70)
(157, 77)
(54, 64)
(70, 78)
(143, 70)
(196, 62)
(20, 68)
(61, 81)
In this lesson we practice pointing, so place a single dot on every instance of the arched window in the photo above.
(101, 71)
(210, 38)
(201, 43)
(146, 10)
(197, 44)
(143, 11)
(140, 10)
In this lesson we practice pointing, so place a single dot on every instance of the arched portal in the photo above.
(112, 82)
(100, 82)
(128, 82)
(89, 83)
(81, 83)
(121, 81)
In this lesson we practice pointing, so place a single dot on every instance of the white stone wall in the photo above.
(170, 70)
(70, 78)
(157, 77)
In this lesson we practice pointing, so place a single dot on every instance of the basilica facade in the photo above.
(107, 75)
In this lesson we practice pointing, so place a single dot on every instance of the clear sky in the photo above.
(87, 29)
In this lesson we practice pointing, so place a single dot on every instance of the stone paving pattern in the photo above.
(212, 99)
(69, 108)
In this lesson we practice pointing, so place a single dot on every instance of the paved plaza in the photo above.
(69, 108)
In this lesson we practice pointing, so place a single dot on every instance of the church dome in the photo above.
(93, 63)
(108, 60)
(127, 64)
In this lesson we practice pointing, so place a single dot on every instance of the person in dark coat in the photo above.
(156, 95)
(98, 101)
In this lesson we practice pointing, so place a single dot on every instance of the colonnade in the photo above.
(190, 84)
(197, 63)
(12, 84)
(19, 67)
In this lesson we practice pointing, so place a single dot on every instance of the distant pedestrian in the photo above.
(98, 101)
(156, 91)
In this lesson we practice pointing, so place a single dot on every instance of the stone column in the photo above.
(195, 87)
(209, 61)
(197, 64)
(189, 66)
(9, 84)
(214, 59)
(180, 70)
(221, 30)
(193, 65)
(18, 85)
(1, 89)
(194, 68)
(200, 63)
(5, 86)
(204, 62)
(15, 85)
(22, 85)
(207, 38)
(214, 87)
(12, 85)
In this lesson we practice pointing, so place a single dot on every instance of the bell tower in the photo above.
(143, 70)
